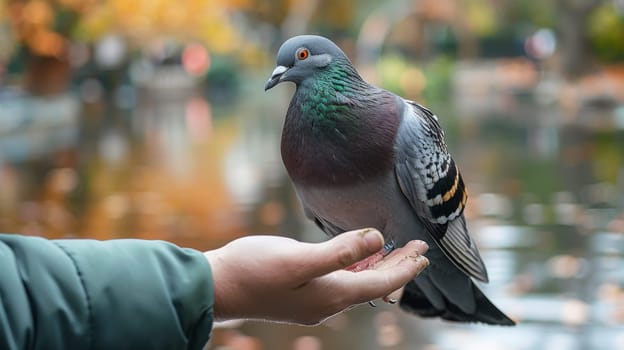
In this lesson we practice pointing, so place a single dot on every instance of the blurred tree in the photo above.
(572, 23)
(40, 30)
(45, 26)
(43, 31)
(535, 13)
(578, 29)
(606, 31)
(141, 20)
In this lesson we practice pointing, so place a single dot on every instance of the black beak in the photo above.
(276, 77)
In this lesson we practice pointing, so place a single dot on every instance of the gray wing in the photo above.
(431, 181)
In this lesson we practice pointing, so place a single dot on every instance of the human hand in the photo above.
(280, 279)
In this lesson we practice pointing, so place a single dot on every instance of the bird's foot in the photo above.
(388, 247)
(386, 299)
(370, 261)
(389, 300)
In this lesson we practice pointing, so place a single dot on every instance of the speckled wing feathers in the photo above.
(440, 186)
(430, 180)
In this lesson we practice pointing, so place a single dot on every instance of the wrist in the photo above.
(215, 260)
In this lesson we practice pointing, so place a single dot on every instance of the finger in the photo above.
(411, 248)
(372, 284)
(340, 252)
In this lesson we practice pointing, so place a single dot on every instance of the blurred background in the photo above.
(148, 119)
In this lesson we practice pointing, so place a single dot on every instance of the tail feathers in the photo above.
(415, 301)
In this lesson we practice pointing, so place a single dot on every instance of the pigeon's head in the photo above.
(301, 57)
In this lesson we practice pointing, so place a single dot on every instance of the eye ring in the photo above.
(302, 54)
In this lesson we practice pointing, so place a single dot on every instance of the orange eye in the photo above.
(302, 54)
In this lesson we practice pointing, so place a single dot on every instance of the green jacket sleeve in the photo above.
(86, 294)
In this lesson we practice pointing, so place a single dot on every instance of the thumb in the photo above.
(342, 251)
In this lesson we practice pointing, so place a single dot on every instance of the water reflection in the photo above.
(546, 206)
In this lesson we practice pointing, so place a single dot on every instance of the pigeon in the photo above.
(361, 156)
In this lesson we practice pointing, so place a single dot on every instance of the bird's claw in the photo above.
(385, 299)
(390, 300)
(388, 247)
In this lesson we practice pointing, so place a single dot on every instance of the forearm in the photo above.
(101, 295)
